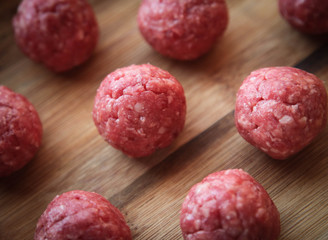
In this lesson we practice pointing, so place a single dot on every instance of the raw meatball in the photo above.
(280, 110)
(80, 215)
(139, 109)
(61, 34)
(20, 131)
(182, 29)
(229, 205)
(308, 16)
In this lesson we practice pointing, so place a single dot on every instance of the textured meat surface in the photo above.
(81, 215)
(309, 16)
(281, 109)
(139, 109)
(20, 131)
(182, 29)
(229, 205)
(59, 33)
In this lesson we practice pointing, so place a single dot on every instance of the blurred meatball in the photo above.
(61, 34)
(20, 131)
(182, 29)
(80, 215)
(308, 16)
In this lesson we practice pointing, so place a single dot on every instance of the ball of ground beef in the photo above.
(61, 34)
(20, 131)
(182, 29)
(230, 205)
(281, 110)
(81, 215)
(308, 16)
(139, 109)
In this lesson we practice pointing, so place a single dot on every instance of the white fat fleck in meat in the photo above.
(286, 119)
(231, 215)
(313, 91)
(189, 217)
(131, 129)
(202, 187)
(302, 120)
(299, 2)
(138, 107)
(309, 80)
(274, 150)
(207, 206)
(227, 172)
(260, 213)
(161, 130)
(197, 224)
(276, 133)
(253, 79)
(225, 204)
(142, 119)
(129, 106)
(281, 92)
(254, 108)
(291, 98)
(109, 107)
(141, 132)
(206, 211)
(297, 21)
(243, 121)
(268, 144)
(139, 78)
(239, 204)
(264, 149)
(169, 99)
(294, 108)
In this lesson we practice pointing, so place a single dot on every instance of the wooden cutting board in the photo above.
(150, 191)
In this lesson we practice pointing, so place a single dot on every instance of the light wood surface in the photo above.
(150, 191)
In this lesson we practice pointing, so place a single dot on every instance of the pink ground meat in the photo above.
(20, 131)
(229, 205)
(308, 16)
(182, 29)
(81, 215)
(281, 110)
(139, 109)
(61, 34)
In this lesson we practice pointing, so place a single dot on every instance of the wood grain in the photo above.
(150, 191)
